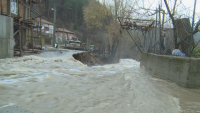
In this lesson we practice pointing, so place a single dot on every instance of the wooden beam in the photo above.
(31, 24)
(19, 25)
(9, 7)
(15, 33)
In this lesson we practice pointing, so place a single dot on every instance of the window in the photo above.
(14, 6)
(66, 36)
(46, 28)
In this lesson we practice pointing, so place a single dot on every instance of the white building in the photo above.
(47, 27)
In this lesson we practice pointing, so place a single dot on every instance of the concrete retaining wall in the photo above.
(6, 37)
(181, 70)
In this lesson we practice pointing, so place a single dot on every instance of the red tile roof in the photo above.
(43, 21)
(65, 30)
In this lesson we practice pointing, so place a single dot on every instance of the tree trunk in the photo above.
(108, 49)
(48, 10)
(114, 47)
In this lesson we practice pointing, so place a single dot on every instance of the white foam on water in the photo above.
(10, 104)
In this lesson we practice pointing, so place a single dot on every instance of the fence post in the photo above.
(155, 33)
(160, 30)
(40, 24)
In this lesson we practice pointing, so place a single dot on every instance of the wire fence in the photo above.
(180, 40)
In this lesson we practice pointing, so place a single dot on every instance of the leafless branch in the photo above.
(174, 7)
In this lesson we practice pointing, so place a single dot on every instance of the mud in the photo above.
(92, 59)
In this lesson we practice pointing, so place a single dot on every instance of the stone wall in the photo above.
(6, 37)
(181, 70)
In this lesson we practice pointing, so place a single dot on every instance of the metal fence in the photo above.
(181, 40)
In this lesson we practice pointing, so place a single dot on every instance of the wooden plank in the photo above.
(8, 7)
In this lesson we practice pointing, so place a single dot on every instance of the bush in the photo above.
(195, 50)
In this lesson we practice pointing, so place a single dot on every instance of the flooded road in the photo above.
(53, 82)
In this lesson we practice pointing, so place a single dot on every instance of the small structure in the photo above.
(68, 39)
(47, 27)
(63, 33)
(137, 24)
(64, 36)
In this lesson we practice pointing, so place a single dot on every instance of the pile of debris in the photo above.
(90, 59)
(87, 58)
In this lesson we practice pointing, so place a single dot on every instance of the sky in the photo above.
(185, 9)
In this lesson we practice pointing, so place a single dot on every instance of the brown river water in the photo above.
(54, 82)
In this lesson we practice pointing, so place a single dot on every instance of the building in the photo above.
(63, 36)
(10, 8)
(16, 19)
(47, 27)
(47, 30)
(64, 33)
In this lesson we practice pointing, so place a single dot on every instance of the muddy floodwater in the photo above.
(54, 82)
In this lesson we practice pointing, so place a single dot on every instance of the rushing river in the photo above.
(54, 82)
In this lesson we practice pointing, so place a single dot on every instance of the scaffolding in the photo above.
(136, 24)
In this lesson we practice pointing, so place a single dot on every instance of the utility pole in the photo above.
(54, 25)
(155, 31)
(25, 18)
(160, 29)
(20, 29)
(64, 35)
(31, 17)
(40, 23)
(193, 20)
